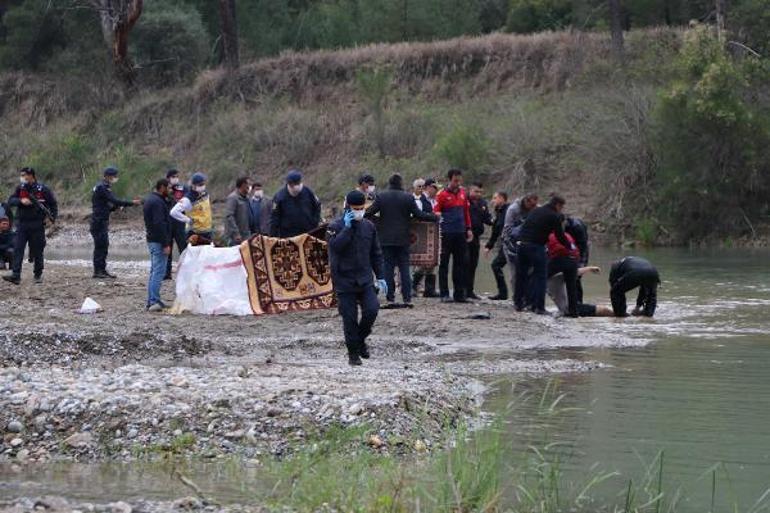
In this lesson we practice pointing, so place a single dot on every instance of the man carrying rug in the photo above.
(355, 255)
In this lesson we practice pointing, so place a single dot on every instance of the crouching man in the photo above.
(355, 257)
(627, 274)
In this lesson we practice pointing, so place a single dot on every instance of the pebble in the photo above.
(16, 442)
(15, 426)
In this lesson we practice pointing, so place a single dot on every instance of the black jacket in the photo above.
(480, 216)
(497, 225)
(104, 202)
(396, 209)
(31, 215)
(425, 204)
(634, 270)
(157, 221)
(579, 231)
(294, 215)
(540, 223)
(354, 254)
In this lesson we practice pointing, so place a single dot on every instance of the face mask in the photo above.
(174, 180)
(200, 188)
(359, 214)
(294, 190)
(23, 180)
(114, 180)
(259, 194)
(371, 189)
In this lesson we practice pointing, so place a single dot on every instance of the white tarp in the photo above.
(212, 281)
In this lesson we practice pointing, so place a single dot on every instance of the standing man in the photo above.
(355, 256)
(177, 190)
(514, 217)
(157, 224)
(480, 216)
(422, 202)
(260, 208)
(456, 232)
(532, 255)
(431, 191)
(103, 203)
(296, 209)
(238, 212)
(627, 274)
(194, 210)
(500, 204)
(35, 205)
(579, 232)
(564, 260)
(397, 208)
(366, 185)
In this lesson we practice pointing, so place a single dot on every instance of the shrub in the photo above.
(465, 146)
(538, 15)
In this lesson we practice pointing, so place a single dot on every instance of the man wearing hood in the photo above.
(296, 209)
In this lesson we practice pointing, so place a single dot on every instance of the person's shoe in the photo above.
(167, 277)
(39, 279)
(473, 296)
(447, 299)
(156, 307)
(103, 275)
(462, 300)
(363, 351)
(408, 304)
(389, 305)
(354, 360)
(498, 297)
(540, 312)
(518, 308)
(12, 278)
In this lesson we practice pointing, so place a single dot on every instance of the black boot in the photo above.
(354, 360)
(363, 351)
(430, 286)
(417, 277)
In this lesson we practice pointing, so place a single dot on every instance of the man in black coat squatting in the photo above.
(356, 257)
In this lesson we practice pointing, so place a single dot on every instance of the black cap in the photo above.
(110, 171)
(355, 199)
(171, 172)
(429, 182)
(366, 179)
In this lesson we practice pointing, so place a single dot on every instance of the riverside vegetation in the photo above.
(668, 146)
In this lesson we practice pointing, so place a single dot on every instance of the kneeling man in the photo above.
(355, 257)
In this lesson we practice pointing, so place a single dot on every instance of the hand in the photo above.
(137, 201)
(383, 286)
(167, 250)
(469, 236)
(348, 218)
(26, 201)
(487, 251)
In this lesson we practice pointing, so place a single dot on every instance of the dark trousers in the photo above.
(454, 246)
(397, 257)
(474, 249)
(498, 270)
(34, 237)
(531, 257)
(647, 299)
(178, 236)
(100, 231)
(569, 269)
(6, 258)
(357, 329)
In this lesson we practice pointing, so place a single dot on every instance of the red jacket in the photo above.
(556, 249)
(455, 210)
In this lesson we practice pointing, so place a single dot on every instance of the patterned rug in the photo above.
(287, 275)
(425, 246)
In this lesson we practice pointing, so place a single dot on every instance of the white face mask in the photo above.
(114, 180)
(371, 189)
(200, 188)
(174, 180)
(359, 214)
(294, 190)
(23, 180)
(259, 193)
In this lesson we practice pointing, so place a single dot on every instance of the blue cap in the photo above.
(110, 171)
(198, 179)
(294, 176)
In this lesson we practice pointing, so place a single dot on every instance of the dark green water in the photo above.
(699, 392)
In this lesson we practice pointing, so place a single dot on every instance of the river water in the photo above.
(699, 392)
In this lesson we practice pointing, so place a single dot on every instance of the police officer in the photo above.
(627, 274)
(177, 190)
(36, 204)
(355, 256)
(296, 210)
(103, 203)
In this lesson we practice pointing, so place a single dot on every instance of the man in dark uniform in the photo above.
(627, 274)
(36, 204)
(500, 204)
(103, 203)
(296, 210)
(177, 190)
(579, 232)
(355, 257)
(480, 216)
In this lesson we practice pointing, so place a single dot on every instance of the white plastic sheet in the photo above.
(212, 281)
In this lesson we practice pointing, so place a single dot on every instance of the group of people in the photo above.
(547, 252)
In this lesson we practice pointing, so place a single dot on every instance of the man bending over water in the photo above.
(627, 274)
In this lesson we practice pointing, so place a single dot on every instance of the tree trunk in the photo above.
(230, 54)
(721, 6)
(616, 29)
(118, 18)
